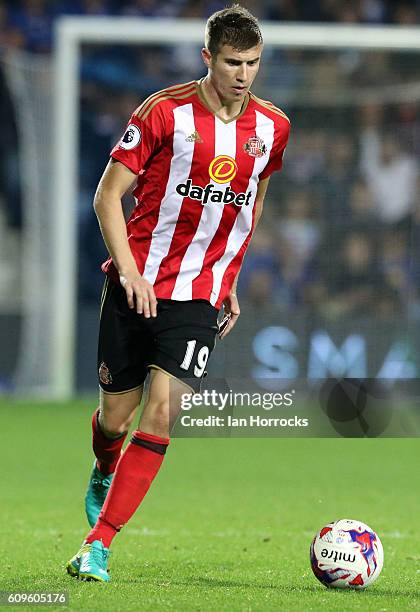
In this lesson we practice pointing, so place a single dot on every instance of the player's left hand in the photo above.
(232, 312)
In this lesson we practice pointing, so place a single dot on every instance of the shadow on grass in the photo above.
(217, 583)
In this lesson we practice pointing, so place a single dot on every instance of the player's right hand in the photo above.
(140, 294)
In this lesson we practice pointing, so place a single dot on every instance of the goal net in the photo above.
(330, 282)
(29, 78)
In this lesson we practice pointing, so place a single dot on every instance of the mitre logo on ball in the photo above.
(346, 554)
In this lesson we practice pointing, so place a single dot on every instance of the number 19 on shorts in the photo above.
(202, 357)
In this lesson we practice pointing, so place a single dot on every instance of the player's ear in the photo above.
(206, 55)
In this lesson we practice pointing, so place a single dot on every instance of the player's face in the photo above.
(232, 72)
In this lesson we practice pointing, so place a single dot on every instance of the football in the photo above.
(346, 554)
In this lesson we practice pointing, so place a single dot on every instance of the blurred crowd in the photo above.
(28, 23)
(340, 232)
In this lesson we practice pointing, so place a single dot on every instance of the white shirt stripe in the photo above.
(170, 207)
(243, 221)
(225, 144)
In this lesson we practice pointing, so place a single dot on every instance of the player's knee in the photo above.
(157, 412)
(115, 423)
(112, 428)
(160, 411)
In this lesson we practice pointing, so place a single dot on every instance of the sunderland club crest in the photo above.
(255, 147)
(104, 374)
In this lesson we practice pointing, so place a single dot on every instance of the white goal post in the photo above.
(70, 34)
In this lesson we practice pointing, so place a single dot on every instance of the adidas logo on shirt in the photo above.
(194, 137)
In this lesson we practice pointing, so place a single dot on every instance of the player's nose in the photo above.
(242, 74)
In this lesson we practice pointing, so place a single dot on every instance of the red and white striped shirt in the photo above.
(197, 181)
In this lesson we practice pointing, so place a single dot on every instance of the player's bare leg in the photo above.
(117, 410)
(163, 405)
(135, 472)
(110, 424)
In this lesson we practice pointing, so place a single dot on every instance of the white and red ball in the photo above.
(346, 554)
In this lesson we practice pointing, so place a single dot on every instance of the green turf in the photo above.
(226, 526)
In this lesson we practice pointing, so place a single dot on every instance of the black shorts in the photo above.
(178, 341)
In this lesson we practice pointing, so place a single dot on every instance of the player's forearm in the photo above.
(111, 220)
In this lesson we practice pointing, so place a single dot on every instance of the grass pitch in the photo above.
(226, 526)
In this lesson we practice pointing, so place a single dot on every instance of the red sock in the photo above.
(107, 450)
(135, 472)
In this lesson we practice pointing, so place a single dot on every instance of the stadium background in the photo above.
(337, 250)
(330, 285)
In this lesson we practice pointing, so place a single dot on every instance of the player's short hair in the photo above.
(234, 26)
